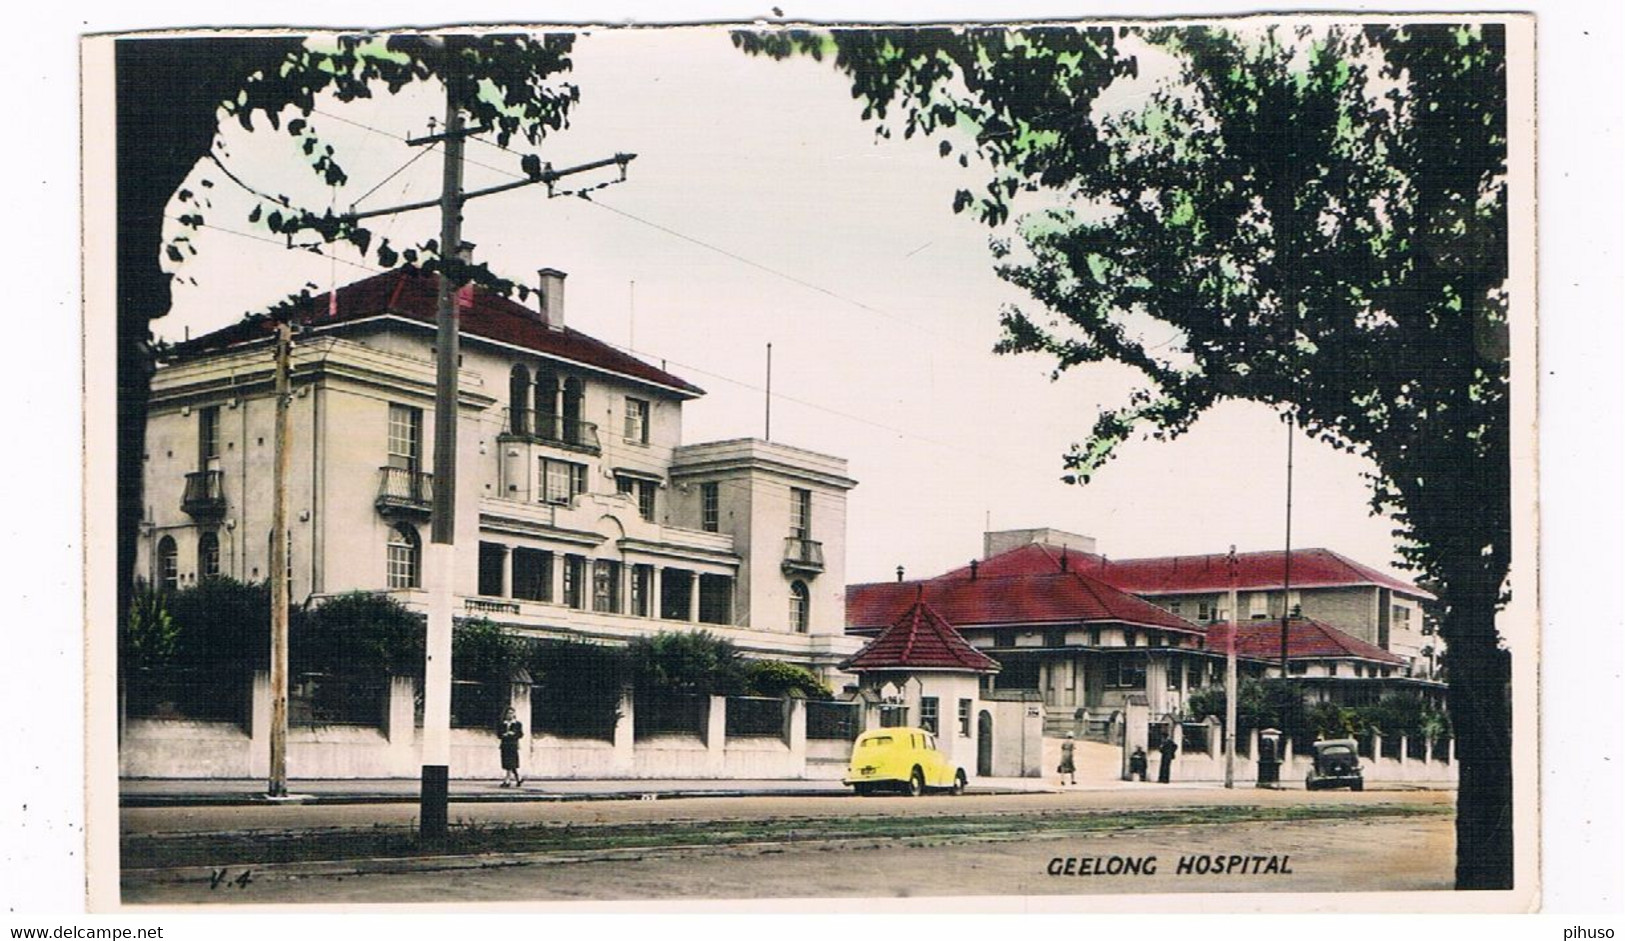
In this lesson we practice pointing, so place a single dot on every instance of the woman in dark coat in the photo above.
(512, 732)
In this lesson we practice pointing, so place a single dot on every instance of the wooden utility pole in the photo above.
(440, 559)
(1286, 581)
(278, 783)
(1230, 684)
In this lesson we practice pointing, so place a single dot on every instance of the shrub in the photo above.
(359, 634)
(697, 662)
(150, 638)
(577, 687)
(776, 678)
(222, 625)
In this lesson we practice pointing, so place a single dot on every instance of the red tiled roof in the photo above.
(1306, 639)
(1311, 568)
(1039, 597)
(920, 639)
(414, 295)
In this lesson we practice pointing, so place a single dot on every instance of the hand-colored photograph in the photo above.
(1088, 461)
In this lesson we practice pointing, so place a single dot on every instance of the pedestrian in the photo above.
(1068, 766)
(1137, 764)
(511, 732)
(1168, 748)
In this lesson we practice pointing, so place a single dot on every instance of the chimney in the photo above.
(550, 297)
(974, 565)
(899, 573)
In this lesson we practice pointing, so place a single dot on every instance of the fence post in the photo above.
(259, 725)
(399, 725)
(795, 713)
(625, 759)
(716, 734)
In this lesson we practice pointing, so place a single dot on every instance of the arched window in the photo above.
(403, 557)
(798, 607)
(518, 400)
(572, 411)
(547, 404)
(169, 571)
(208, 555)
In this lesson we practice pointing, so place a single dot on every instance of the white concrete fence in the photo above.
(1414, 761)
(187, 748)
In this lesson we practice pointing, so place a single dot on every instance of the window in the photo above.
(493, 560)
(1173, 607)
(1298, 668)
(676, 591)
(1174, 675)
(1193, 676)
(1204, 611)
(544, 421)
(642, 585)
(208, 437)
(716, 599)
(1004, 638)
(643, 491)
(518, 400)
(208, 555)
(928, 714)
(1402, 617)
(1055, 638)
(575, 571)
(710, 508)
(405, 437)
(964, 718)
(1130, 638)
(1125, 673)
(562, 481)
(799, 604)
(1359, 669)
(1094, 637)
(637, 421)
(403, 557)
(169, 573)
(800, 513)
(1258, 604)
(533, 574)
(606, 586)
(1331, 669)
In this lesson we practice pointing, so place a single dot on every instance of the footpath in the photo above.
(213, 792)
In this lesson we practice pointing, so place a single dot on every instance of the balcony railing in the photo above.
(490, 606)
(205, 496)
(803, 556)
(403, 491)
(550, 429)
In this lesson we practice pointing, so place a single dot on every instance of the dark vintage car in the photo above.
(1335, 763)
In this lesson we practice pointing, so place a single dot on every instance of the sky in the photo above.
(761, 210)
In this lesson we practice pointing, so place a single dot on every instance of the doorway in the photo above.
(984, 744)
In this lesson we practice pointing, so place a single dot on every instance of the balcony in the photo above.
(404, 492)
(205, 496)
(556, 430)
(802, 556)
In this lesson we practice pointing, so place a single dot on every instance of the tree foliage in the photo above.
(1311, 218)
(223, 626)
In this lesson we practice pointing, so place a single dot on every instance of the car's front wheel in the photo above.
(916, 783)
(959, 782)
(863, 790)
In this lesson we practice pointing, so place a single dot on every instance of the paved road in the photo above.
(990, 845)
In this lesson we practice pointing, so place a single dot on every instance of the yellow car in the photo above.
(901, 759)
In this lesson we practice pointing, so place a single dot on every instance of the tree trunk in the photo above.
(1481, 715)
